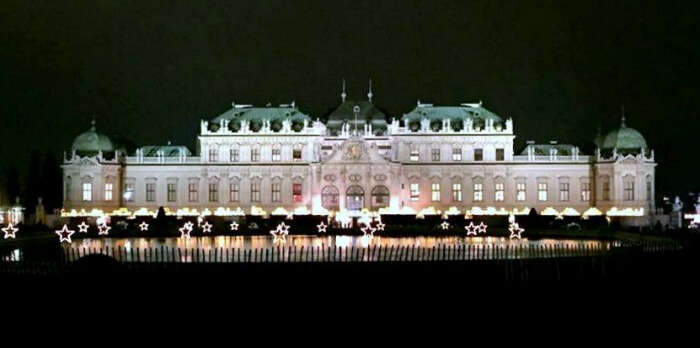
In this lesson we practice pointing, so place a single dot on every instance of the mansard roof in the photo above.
(270, 113)
(474, 111)
(168, 150)
(367, 112)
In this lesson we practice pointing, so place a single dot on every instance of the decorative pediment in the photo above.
(628, 159)
(356, 151)
(88, 162)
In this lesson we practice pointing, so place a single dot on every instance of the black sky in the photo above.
(149, 70)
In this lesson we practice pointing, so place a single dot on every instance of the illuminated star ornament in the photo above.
(206, 227)
(234, 226)
(10, 231)
(481, 228)
(515, 231)
(368, 231)
(83, 227)
(143, 226)
(104, 230)
(380, 225)
(64, 234)
(189, 225)
(471, 229)
(321, 227)
(280, 234)
(185, 230)
(444, 225)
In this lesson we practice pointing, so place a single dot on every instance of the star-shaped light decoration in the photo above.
(10, 231)
(481, 228)
(206, 227)
(471, 229)
(83, 227)
(380, 225)
(234, 226)
(444, 225)
(280, 233)
(64, 234)
(321, 227)
(189, 225)
(368, 231)
(185, 230)
(143, 226)
(515, 231)
(103, 229)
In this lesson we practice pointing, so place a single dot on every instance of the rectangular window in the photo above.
(500, 192)
(435, 154)
(629, 190)
(478, 154)
(276, 187)
(606, 190)
(255, 155)
(585, 191)
(213, 192)
(255, 192)
(69, 188)
(296, 192)
(435, 192)
(87, 192)
(296, 154)
(276, 155)
(649, 197)
(542, 191)
(234, 192)
(150, 192)
(457, 192)
(415, 192)
(213, 155)
(456, 154)
(521, 193)
(500, 155)
(235, 155)
(129, 192)
(172, 192)
(415, 155)
(564, 191)
(108, 191)
(193, 193)
(478, 192)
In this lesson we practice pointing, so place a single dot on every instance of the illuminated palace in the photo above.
(433, 158)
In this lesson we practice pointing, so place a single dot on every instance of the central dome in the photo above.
(91, 141)
(624, 138)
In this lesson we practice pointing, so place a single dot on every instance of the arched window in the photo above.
(380, 196)
(329, 198)
(355, 197)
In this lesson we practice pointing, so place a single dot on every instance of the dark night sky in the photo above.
(149, 70)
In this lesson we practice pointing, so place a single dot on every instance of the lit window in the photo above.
(478, 192)
(276, 187)
(276, 155)
(629, 188)
(478, 154)
(564, 191)
(606, 190)
(435, 192)
(415, 192)
(213, 192)
(255, 155)
(500, 155)
(213, 155)
(150, 192)
(193, 193)
(109, 191)
(234, 192)
(87, 192)
(585, 191)
(296, 154)
(415, 155)
(456, 154)
(235, 155)
(500, 192)
(435, 154)
(521, 193)
(255, 192)
(129, 192)
(457, 192)
(172, 192)
(542, 191)
(296, 192)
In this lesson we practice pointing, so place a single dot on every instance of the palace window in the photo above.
(276, 187)
(500, 192)
(329, 197)
(649, 189)
(296, 192)
(606, 190)
(456, 154)
(172, 192)
(380, 196)
(255, 155)
(564, 191)
(415, 155)
(213, 192)
(478, 192)
(69, 188)
(150, 192)
(276, 155)
(435, 192)
(193, 193)
(521, 193)
(585, 191)
(109, 191)
(235, 155)
(234, 193)
(629, 188)
(255, 192)
(87, 191)
(542, 191)
(296, 154)
(213, 155)
(500, 155)
(457, 192)
(478, 154)
(435, 154)
(129, 192)
(415, 192)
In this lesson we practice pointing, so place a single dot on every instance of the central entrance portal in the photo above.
(355, 198)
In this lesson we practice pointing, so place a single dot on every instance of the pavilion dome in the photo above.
(624, 138)
(91, 141)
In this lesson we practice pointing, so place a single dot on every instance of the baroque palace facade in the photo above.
(434, 158)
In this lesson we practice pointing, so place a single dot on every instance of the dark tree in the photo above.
(33, 184)
(12, 185)
(52, 183)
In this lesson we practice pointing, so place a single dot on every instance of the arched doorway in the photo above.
(355, 198)
(329, 198)
(380, 197)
